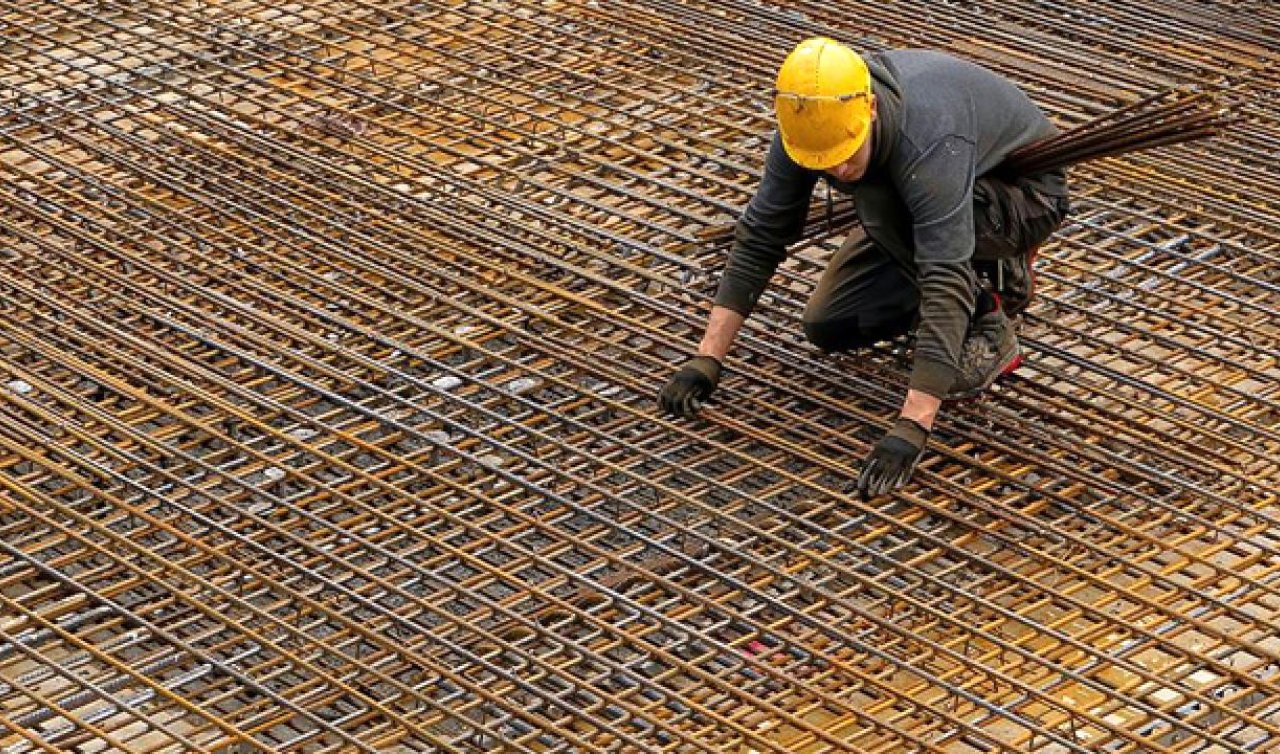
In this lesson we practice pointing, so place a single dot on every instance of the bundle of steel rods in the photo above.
(1169, 117)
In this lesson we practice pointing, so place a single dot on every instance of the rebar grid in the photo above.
(332, 336)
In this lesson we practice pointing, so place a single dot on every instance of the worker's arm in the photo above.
(938, 191)
(697, 379)
(722, 328)
(939, 195)
(773, 219)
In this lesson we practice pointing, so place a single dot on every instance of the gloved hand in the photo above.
(690, 386)
(891, 461)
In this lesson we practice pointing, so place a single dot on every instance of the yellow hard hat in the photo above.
(823, 103)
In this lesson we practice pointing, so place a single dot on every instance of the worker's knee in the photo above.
(827, 334)
(833, 335)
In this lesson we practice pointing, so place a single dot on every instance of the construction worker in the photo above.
(945, 249)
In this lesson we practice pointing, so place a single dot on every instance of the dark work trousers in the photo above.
(866, 296)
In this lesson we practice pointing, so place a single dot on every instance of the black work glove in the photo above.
(690, 386)
(891, 461)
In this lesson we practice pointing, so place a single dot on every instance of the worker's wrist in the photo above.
(921, 408)
(722, 329)
(911, 431)
(707, 366)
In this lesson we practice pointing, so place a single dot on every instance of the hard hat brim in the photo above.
(826, 159)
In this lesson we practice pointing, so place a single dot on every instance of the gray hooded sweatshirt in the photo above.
(941, 123)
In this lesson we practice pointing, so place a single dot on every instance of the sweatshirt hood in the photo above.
(889, 111)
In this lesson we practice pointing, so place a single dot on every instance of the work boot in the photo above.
(990, 351)
(1016, 282)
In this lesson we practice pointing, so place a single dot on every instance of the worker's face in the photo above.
(855, 167)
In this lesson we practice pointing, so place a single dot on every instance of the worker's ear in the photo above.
(874, 102)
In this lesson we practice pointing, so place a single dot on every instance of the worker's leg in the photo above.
(863, 297)
(1011, 220)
